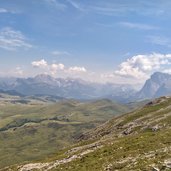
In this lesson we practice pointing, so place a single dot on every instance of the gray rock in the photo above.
(168, 163)
(155, 169)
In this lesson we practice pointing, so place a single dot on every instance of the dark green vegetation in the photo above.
(36, 128)
(139, 140)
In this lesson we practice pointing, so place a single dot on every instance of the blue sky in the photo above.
(116, 40)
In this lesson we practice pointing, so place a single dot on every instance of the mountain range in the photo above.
(159, 84)
(67, 88)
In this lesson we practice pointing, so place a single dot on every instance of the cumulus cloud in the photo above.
(140, 66)
(48, 68)
(39, 64)
(57, 66)
(54, 68)
(77, 69)
(11, 39)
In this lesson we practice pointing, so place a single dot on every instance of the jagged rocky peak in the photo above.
(160, 77)
(155, 86)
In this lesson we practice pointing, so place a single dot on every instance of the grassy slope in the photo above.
(141, 149)
(140, 140)
(32, 131)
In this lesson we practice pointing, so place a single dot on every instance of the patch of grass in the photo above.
(127, 153)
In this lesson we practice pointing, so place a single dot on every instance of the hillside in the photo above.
(34, 129)
(139, 140)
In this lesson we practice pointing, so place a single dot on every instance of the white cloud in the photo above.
(54, 68)
(12, 40)
(39, 64)
(3, 10)
(138, 26)
(56, 4)
(121, 8)
(167, 71)
(12, 72)
(60, 53)
(57, 68)
(77, 69)
(159, 40)
(141, 66)
(18, 71)
(75, 5)
(43, 64)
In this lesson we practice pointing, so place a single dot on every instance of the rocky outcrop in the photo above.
(82, 151)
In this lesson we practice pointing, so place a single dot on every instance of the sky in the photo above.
(120, 41)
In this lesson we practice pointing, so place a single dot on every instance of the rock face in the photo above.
(158, 85)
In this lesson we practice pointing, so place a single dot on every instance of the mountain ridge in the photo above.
(157, 85)
(66, 87)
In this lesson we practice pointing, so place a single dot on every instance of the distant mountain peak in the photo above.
(155, 86)
(159, 76)
(43, 76)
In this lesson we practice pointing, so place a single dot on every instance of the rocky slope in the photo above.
(140, 140)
